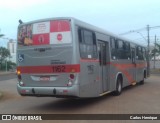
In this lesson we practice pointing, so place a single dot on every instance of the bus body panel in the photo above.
(45, 68)
(89, 86)
(35, 58)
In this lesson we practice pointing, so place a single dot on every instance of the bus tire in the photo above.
(142, 81)
(118, 90)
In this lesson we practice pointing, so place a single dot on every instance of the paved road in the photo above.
(135, 99)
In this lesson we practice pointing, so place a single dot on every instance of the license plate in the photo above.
(45, 78)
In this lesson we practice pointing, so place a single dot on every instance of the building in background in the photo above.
(11, 45)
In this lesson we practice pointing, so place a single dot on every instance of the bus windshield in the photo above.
(44, 33)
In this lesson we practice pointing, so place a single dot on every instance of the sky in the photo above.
(116, 16)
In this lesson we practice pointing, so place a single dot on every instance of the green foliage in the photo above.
(10, 65)
(4, 53)
(156, 51)
(1, 35)
(158, 48)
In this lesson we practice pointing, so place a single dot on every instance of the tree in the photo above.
(10, 66)
(4, 53)
(1, 35)
(158, 48)
(155, 51)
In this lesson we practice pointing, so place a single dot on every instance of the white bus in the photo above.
(65, 57)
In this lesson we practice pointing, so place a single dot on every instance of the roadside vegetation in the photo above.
(5, 63)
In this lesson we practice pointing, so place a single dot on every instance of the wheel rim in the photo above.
(119, 87)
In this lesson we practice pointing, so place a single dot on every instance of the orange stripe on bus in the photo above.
(89, 60)
(128, 65)
(74, 68)
(123, 67)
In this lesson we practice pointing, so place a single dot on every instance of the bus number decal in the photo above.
(59, 69)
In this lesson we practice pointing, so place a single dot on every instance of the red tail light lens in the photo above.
(71, 76)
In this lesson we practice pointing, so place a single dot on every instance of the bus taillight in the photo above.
(71, 76)
(19, 75)
(18, 72)
(70, 81)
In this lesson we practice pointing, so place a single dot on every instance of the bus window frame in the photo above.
(81, 40)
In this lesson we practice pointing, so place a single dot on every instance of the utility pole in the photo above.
(155, 53)
(148, 59)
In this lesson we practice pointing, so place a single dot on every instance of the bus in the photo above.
(67, 58)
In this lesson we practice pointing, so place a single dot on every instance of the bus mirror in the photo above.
(20, 21)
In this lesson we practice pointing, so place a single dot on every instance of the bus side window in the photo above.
(127, 50)
(139, 53)
(120, 49)
(87, 42)
(80, 35)
(123, 50)
(144, 53)
(113, 44)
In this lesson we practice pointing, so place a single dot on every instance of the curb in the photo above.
(6, 73)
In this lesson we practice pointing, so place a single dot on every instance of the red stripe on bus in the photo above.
(74, 68)
(59, 26)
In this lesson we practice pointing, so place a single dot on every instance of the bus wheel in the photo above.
(118, 86)
(142, 81)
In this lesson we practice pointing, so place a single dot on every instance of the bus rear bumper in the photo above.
(72, 91)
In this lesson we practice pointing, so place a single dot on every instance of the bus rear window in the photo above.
(45, 33)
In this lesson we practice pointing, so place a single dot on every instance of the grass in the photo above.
(155, 71)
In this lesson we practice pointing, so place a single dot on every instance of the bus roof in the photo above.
(85, 25)
(103, 31)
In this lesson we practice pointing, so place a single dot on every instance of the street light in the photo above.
(142, 36)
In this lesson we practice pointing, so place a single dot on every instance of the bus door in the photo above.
(103, 56)
(133, 53)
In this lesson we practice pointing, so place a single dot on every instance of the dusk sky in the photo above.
(116, 16)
